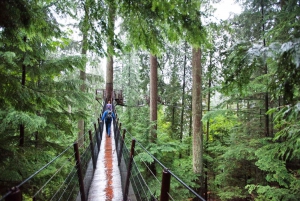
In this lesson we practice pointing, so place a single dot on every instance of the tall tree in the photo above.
(252, 77)
(84, 48)
(197, 115)
(153, 105)
(153, 98)
(39, 96)
(183, 90)
(110, 48)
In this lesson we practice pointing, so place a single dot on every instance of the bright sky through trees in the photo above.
(225, 8)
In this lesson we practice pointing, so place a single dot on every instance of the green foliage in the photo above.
(40, 89)
(273, 193)
(242, 66)
(262, 62)
(12, 119)
(222, 123)
(277, 158)
(160, 20)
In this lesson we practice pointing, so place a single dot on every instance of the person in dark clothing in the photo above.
(107, 117)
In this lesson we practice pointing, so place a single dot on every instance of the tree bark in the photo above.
(153, 105)
(82, 75)
(110, 51)
(109, 78)
(153, 97)
(267, 130)
(197, 112)
(183, 93)
(207, 124)
(197, 116)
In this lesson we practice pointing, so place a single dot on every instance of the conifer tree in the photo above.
(110, 47)
(36, 90)
(251, 77)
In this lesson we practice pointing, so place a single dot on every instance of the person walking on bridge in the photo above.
(108, 116)
(108, 105)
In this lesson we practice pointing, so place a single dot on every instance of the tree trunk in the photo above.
(82, 76)
(109, 78)
(207, 124)
(173, 120)
(153, 104)
(183, 93)
(22, 126)
(197, 112)
(197, 116)
(153, 98)
(110, 51)
(267, 131)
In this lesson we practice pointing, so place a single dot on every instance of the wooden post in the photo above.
(15, 195)
(99, 122)
(97, 138)
(129, 171)
(117, 135)
(165, 185)
(92, 149)
(100, 128)
(121, 148)
(79, 172)
(95, 127)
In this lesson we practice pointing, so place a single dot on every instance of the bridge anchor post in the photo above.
(121, 147)
(94, 160)
(165, 185)
(129, 171)
(16, 195)
(79, 172)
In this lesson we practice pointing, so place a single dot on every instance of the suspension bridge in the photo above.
(100, 168)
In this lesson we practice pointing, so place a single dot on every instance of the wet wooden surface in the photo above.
(106, 184)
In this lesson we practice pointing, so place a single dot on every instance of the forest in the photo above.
(217, 101)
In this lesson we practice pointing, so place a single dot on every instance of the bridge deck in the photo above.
(106, 183)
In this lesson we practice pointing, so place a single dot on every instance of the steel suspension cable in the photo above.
(37, 172)
(179, 180)
(55, 173)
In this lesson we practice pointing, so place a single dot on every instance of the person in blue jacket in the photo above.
(107, 117)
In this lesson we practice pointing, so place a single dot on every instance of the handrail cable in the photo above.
(58, 170)
(148, 168)
(34, 174)
(142, 180)
(179, 180)
(170, 196)
(70, 194)
(82, 138)
(63, 184)
(85, 145)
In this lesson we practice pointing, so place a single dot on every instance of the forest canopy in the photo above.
(244, 107)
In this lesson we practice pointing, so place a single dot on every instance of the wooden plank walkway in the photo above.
(106, 183)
